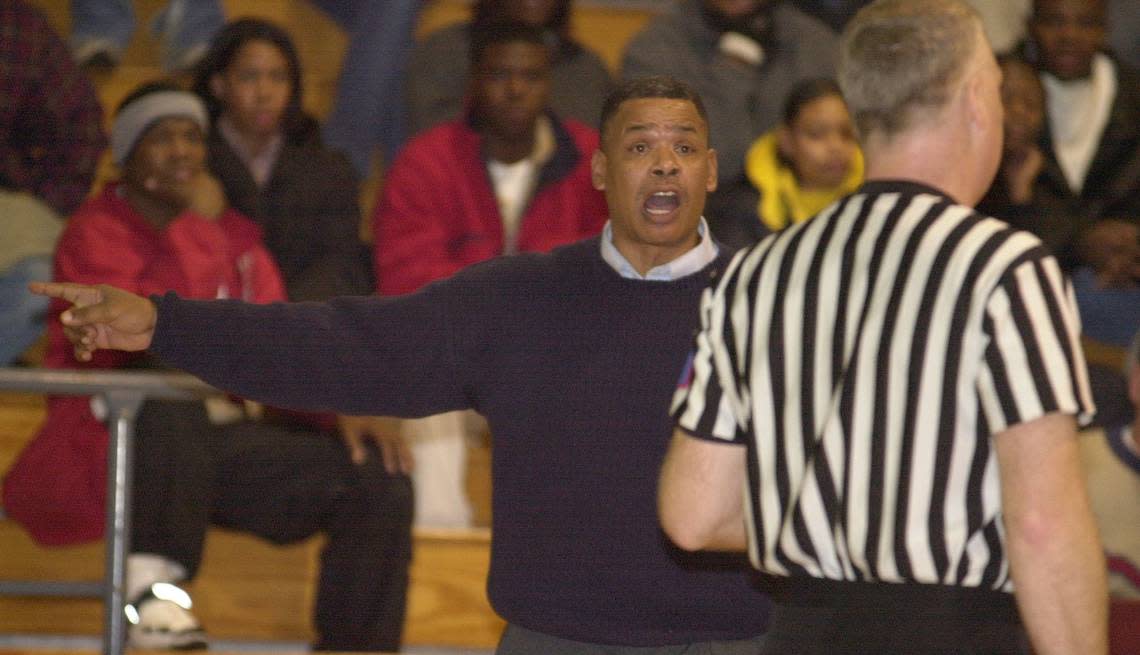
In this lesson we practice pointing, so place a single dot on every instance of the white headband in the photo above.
(135, 118)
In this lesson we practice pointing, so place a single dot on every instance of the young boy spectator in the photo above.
(1013, 196)
(1092, 144)
(268, 155)
(579, 80)
(509, 176)
(166, 227)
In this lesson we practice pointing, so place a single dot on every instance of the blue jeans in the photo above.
(22, 314)
(1109, 316)
(183, 24)
(369, 106)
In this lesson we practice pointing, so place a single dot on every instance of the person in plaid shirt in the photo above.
(51, 136)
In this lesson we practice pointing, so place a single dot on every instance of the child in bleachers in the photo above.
(1013, 197)
(809, 161)
(1092, 102)
(1023, 99)
(438, 75)
(1107, 283)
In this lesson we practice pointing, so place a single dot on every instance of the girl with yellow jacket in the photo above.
(810, 160)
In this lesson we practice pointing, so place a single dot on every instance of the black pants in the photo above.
(517, 640)
(282, 484)
(816, 617)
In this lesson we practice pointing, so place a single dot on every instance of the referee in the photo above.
(896, 386)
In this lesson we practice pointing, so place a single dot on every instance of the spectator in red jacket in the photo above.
(166, 227)
(509, 176)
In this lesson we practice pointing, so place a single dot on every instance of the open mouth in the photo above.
(662, 203)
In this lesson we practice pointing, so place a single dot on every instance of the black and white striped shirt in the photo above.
(866, 357)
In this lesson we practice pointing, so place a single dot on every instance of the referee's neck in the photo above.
(928, 156)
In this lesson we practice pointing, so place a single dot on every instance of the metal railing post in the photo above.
(123, 409)
(124, 393)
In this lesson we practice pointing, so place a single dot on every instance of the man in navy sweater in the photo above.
(571, 356)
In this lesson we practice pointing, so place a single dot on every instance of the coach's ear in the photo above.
(598, 165)
(711, 181)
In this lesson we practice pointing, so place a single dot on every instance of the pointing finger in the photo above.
(79, 294)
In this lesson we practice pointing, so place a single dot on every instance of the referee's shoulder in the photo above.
(1010, 249)
(1026, 241)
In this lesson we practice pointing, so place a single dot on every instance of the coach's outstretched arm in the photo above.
(352, 355)
(102, 317)
(1055, 554)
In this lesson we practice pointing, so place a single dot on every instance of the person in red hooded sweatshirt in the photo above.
(509, 176)
(165, 227)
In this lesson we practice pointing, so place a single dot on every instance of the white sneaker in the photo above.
(160, 619)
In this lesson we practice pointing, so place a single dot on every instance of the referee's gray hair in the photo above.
(134, 119)
(901, 56)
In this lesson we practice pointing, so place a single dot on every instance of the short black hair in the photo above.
(806, 92)
(485, 35)
(656, 86)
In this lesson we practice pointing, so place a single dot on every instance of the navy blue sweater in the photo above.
(574, 368)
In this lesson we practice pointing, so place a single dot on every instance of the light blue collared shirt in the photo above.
(687, 264)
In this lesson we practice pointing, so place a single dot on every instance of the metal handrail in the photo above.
(72, 382)
(123, 393)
